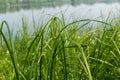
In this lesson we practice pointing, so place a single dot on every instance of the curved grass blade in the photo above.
(10, 48)
(83, 20)
(105, 62)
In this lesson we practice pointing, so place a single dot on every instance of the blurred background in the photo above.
(16, 5)
(13, 11)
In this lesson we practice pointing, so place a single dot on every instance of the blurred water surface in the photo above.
(42, 10)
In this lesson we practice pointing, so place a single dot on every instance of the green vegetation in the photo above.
(60, 51)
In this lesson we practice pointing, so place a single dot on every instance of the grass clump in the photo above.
(60, 51)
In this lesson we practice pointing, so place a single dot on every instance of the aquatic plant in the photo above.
(57, 50)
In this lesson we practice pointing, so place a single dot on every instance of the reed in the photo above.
(61, 51)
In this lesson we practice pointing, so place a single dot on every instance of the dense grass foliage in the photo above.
(81, 50)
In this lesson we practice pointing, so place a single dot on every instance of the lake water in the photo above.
(86, 10)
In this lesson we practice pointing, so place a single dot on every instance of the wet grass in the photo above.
(79, 50)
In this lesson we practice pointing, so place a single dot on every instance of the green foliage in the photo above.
(60, 51)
